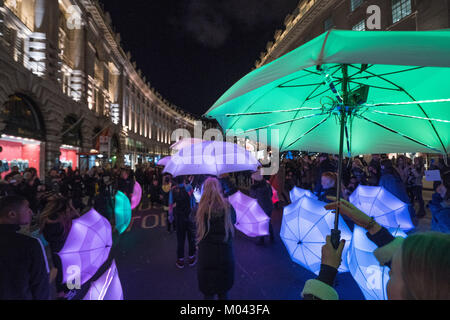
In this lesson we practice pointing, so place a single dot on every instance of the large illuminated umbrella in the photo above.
(122, 212)
(365, 268)
(296, 193)
(185, 142)
(107, 287)
(304, 228)
(374, 92)
(136, 196)
(387, 209)
(163, 161)
(250, 217)
(87, 246)
(211, 158)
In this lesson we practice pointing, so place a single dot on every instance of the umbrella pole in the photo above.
(336, 233)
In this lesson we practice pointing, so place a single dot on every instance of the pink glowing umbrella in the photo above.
(136, 196)
(163, 161)
(107, 287)
(87, 246)
(250, 217)
(275, 198)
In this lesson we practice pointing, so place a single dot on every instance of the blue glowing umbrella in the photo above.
(365, 268)
(304, 228)
(387, 209)
(122, 212)
(296, 193)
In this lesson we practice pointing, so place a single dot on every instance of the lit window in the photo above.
(355, 4)
(361, 26)
(400, 9)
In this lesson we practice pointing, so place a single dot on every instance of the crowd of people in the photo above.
(206, 222)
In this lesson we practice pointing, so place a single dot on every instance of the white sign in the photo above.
(433, 175)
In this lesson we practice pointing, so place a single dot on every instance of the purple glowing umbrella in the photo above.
(387, 209)
(211, 158)
(163, 161)
(250, 218)
(136, 196)
(304, 228)
(107, 287)
(87, 246)
(182, 143)
(296, 193)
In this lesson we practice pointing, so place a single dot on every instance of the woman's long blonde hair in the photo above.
(213, 203)
(426, 266)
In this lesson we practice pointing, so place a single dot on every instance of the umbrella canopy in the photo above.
(275, 197)
(304, 228)
(136, 196)
(365, 268)
(296, 193)
(392, 83)
(212, 158)
(107, 287)
(185, 142)
(122, 212)
(377, 202)
(250, 217)
(163, 161)
(87, 246)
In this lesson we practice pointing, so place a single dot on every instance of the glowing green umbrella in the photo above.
(384, 91)
(122, 210)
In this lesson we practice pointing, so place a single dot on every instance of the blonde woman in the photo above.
(215, 229)
(419, 265)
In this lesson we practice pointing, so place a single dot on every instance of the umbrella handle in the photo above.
(335, 238)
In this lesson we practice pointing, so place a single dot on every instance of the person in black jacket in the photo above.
(215, 229)
(261, 190)
(23, 263)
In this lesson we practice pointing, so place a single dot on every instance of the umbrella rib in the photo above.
(309, 131)
(364, 276)
(269, 112)
(405, 103)
(283, 122)
(399, 133)
(386, 74)
(373, 203)
(321, 218)
(373, 86)
(420, 107)
(408, 116)
(312, 251)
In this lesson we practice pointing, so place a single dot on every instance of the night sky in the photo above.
(192, 51)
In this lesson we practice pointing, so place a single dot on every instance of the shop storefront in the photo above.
(69, 157)
(23, 135)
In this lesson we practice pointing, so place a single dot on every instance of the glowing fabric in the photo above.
(296, 193)
(136, 196)
(107, 287)
(275, 198)
(182, 143)
(377, 202)
(163, 162)
(87, 246)
(365, 268)
(250, 217)
(304, 228)
(122, 212)
(211, 158)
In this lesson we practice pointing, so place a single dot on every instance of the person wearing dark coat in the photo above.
(325, 165)
(104, 203)
(24, 272)
(440, 206)
(215, 221)
(261, 190)
(126, 183)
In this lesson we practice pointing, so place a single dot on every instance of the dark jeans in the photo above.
(415, 193)
(185, 228)
(220, 296)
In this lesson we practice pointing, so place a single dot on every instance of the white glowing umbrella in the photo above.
(296, 193)
(182, 143)
(163, 161)
(387, 209)
(250, 217)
